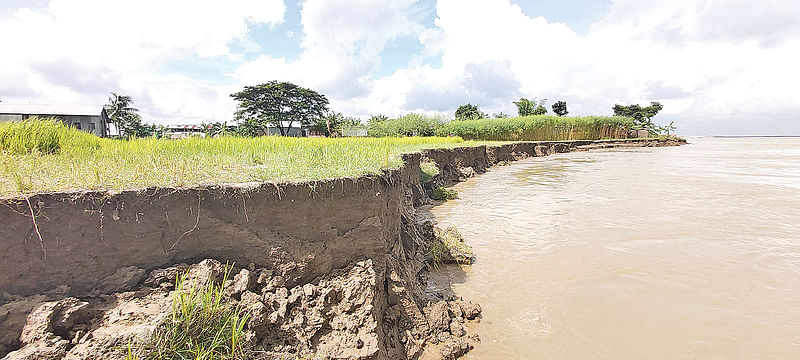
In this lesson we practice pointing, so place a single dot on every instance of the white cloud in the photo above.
(78, 51)
(703, 67)
(715, 64)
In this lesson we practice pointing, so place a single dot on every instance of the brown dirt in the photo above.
(105, 253)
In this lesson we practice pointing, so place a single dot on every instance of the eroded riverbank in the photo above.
(69, 244)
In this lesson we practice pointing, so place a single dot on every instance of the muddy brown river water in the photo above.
(657, 253)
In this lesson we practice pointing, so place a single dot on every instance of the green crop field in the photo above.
(42, 156)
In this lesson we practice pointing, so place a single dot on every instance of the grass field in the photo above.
(42, 156)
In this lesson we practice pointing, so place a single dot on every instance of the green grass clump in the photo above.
(428, 170)
(442, 193)
(407, 125)
(448, 247)
(45, 136)
(539, 128)
(76, 160)
(201, 326)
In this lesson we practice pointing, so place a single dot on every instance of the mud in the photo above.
(91, 254)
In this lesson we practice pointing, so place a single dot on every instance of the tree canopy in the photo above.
(642, 116)
(125, 117)
(527, 107)
(470, 112)
(281, 104)
(560, 108)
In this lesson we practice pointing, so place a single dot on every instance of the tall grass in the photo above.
(78, 160)
(407, 125)
(201, 326)
(46, 136)
(540, 127)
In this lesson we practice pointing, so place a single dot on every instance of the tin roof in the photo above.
(42, 109)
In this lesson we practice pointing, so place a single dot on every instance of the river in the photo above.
(653, 253)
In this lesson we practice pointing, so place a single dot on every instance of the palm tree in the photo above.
(120, 110)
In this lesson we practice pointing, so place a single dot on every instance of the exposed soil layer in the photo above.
(68, 260)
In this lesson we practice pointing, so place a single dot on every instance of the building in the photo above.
(87, 118)
(295, 130)
(183, 131)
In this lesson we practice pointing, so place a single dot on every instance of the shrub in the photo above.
(539, 128)
(407, 125)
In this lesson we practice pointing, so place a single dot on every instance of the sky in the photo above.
(720, 67)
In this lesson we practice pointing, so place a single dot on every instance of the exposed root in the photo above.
(196, 223)
(36, 226)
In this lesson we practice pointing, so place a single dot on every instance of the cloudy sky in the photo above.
(718, 66)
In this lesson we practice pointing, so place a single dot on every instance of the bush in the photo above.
(407, 125)
(539, 128)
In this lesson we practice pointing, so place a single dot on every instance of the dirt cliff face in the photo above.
(87, 246)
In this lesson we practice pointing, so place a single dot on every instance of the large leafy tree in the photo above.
(528, 107)
(642, 116)
(281, 104)
(560, 108)
(470, 112)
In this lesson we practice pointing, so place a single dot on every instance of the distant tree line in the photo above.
(284, 105)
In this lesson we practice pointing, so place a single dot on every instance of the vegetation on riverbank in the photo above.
(202, 325)
(41, 156)
(540, 127)
(448, 247)
(428, 170)
(528, 128)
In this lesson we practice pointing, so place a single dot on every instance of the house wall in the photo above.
(89, 123)
(10, 117)
(294, 131)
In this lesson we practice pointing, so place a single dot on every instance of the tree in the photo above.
(501, 115)
(331, 124)
(377, 118)
(279, 103)
(560, 108)
(216, 129)
(124, 116)
(470, 112)
(642, 116)
(250, 128)
(526, 107)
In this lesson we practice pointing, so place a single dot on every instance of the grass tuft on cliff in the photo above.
(427, 171)
(443, 193)
(45, 156)
(448, 247)
(201, 326)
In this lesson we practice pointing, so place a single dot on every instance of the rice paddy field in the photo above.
(45, 156)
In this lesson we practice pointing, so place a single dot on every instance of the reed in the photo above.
(539, 128)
